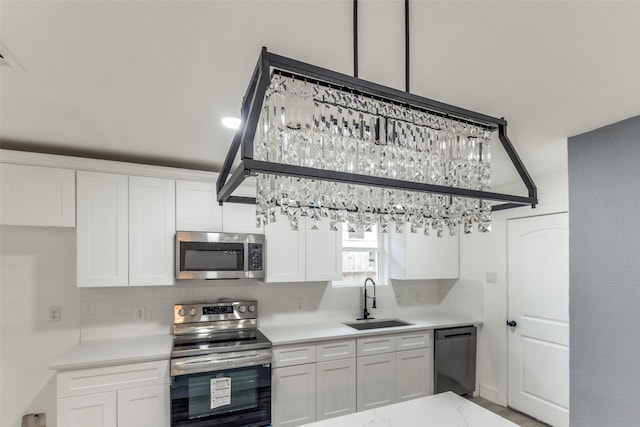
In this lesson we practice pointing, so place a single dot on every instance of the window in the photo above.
(362, 256)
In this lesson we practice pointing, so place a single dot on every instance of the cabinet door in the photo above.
(33, 195)
(414, 374)
(144, 407)
(151, 231)
(240, 217)
(95, 410)
(197, 207)
(375, 381)
(285, 252)
(294, 395)
(324, 252)
(415, 256)
(335, 388)
(102, 229)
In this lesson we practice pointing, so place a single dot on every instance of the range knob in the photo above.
(242, 309)
(252, 308)
(193, 311)
(182, 312)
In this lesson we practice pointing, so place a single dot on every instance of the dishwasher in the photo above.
(455, 360)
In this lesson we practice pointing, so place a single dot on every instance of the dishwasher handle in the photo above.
(464, 331)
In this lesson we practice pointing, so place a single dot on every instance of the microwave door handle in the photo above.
(245, 256)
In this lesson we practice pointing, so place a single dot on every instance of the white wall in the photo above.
(481, 253)
(37, 271)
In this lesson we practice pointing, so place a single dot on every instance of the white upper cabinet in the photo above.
(414, 256)
(324, 252)
(151, 231)
(303, 255)
(102, 230)
(285, 252)
(126, 230)
(241, 217)
(37, 196)
(197, 207)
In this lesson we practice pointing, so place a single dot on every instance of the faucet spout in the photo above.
(365, 312)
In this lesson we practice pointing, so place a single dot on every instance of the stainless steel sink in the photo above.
(375, 324)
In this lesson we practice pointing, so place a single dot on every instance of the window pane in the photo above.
(359, 239)
(357, 266)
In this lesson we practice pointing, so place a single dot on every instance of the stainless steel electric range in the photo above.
(220, 366)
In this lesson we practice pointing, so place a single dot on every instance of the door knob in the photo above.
(512, 323)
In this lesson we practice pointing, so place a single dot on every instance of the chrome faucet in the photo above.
(365, 312)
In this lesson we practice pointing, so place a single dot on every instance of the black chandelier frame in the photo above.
(243, 140)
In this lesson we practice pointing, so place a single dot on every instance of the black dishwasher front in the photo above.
(455, 360)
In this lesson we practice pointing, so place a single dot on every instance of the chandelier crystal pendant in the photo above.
(327, 145)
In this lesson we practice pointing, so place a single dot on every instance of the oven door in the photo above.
(235, 392)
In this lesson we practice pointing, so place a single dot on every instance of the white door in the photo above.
(539, 304)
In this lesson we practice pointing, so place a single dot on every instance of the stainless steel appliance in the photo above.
(201, 255)
(455, 360)
(220, 366)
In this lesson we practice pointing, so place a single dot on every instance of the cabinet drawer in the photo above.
(293, 355)
(335, 350)
(412, 340)
(111, 378)
(376, 345)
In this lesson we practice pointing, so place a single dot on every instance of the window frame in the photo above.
(383, 260)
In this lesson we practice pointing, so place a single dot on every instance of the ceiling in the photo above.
(149, 81)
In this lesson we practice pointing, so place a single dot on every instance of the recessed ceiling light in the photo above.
(231, 122)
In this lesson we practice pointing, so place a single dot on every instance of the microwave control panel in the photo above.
(256, 256)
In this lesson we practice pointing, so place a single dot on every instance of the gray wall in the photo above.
(604, 224)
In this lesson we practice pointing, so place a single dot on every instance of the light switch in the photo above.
(491, 277)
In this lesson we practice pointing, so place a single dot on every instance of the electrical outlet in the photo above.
(299, 304)
(140, 312)
(491, 277)
(55, 313)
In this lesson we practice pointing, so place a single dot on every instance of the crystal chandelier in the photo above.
(328, 145)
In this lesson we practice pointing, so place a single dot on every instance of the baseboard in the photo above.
(489, 393)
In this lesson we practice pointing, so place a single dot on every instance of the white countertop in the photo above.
(335, 329)
(98, 353)
(441, 410)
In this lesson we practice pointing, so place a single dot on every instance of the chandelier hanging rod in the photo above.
(253, 102)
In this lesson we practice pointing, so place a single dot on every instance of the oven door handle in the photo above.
(218, 362)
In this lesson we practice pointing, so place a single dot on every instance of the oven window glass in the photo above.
(244, 394)
(211, 256)
(195, 402)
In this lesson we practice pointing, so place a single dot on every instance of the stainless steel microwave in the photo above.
(201, 255)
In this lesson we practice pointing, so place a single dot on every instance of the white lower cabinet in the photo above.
(376, 381)
(134, 395)
(294, 395)
(328, 379)
(414, 376)
(98, 410)
(144, 407)
(335, 388)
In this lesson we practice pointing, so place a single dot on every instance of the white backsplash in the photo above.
(110, 312)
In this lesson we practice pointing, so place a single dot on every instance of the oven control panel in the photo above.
(219, 310)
